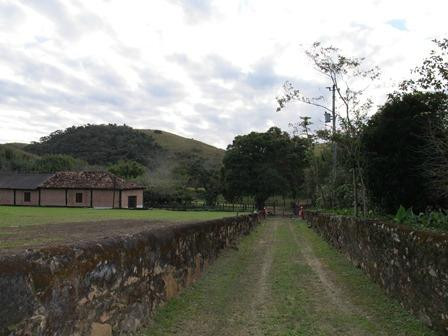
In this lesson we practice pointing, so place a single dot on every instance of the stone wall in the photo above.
(108, 287)
(410, 265)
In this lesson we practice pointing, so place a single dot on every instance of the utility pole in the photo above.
(333, 119)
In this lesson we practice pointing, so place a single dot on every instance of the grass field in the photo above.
(25, 216)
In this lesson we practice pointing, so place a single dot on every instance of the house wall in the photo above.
(52, 197)
(126, 193)
(34, 197)
(104, 198)
(71, 197)
(6, 197)
(56, 197)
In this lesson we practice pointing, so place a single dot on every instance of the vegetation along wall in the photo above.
(111, 286)
(410, 265)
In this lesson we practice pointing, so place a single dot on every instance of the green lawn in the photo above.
(24, 216)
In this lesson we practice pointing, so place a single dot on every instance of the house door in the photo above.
(132, 202)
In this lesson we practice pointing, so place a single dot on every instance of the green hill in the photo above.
(177, 144)
(18, 145)
(164, 153)
(177, 150)
(99, 145)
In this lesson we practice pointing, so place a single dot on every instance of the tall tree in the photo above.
(395, 141)
(264, 164)
(347, 77)
(432, 76)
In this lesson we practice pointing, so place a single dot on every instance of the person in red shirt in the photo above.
(301, 212)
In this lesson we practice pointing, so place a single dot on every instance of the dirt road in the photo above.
(283, 280)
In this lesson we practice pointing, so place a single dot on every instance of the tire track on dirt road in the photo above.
(244, 306)
(339, 301)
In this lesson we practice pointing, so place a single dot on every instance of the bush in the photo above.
(127, 169)
(56, 163)
(436, 219)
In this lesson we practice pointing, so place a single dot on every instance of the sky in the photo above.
(208, 70)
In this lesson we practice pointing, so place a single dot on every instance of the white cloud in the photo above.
(208, 69)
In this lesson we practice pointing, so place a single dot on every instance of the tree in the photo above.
(316, 175)
(13, 159)
(127, 169)
(432, 75)
(201, 175)
(344, 74)
(207, 179)
(395, 142)
(56, 163)
(434, 165)
(264, 164)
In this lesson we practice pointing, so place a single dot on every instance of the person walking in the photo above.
(301, 212)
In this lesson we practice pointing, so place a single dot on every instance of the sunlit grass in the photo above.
(23, 216)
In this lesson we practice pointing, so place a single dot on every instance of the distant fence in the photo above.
(277, 208)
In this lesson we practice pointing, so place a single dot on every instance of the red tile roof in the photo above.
(88, 180)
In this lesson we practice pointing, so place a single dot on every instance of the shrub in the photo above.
(435, 219)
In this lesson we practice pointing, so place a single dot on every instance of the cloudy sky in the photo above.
(206, 69)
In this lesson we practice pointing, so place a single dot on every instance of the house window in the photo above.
(78, 197)
(27, 196)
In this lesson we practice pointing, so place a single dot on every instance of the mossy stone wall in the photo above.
(109, 286)
(410, 265)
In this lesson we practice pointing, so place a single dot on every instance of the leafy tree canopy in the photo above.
(264, 164)
(98, 144)
(394, 142)
(433, 73)
(58, 162)
(199, 174)
(12, 159)
(127, 169)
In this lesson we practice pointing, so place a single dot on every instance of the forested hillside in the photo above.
(164, 155)
(98, 144)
